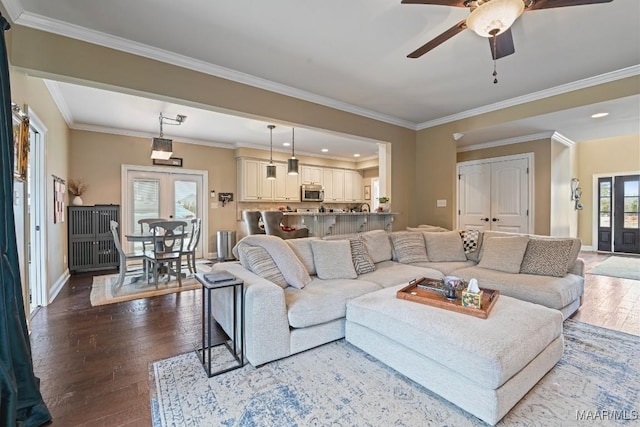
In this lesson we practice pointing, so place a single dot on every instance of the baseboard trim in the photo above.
(57, 286)
(587, 249)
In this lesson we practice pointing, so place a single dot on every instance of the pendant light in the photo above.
(271, 168)
(292, 163)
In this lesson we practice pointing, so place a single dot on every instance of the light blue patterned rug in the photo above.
(625, 267)
(597, 382)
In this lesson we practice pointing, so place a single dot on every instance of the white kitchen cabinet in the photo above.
(286, 187)
(352, 186)
(333, 185)
(254, 182)
(310, 175)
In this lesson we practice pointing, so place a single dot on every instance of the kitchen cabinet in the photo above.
(352, 186)
(333, 185)
(253, 180)
(90, 241)
(286, 187)
(311, 175)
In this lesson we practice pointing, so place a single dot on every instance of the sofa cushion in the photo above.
(332, 259)
(409, 247)
(378, 245)
(362, 262)
(257, 260)
(389, 273)
(444, 246)
(322, 301)
(552, 292)
(302, 249)
(547, 257)
(504, 253)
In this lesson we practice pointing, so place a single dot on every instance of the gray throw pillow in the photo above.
(547, 257)
(333, 259)
(444, 246)
(504, 253)
(257, 260)
(362, 262)
(378, 245)
(302, 249)
(409, 247)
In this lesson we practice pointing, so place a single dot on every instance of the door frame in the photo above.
(595, 208)
(529, 157)
(38, 241)
(125, 169)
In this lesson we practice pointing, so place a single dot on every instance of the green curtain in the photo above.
(21, 403)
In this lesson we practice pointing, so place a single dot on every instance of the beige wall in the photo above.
(48, 55)
(31, 91)
(97, 159)
(610, 156)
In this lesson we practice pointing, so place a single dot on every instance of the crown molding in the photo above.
(558, 137)
(58, 99)
(509, 141)
(62, 28)
(14, 9)
(535, 96)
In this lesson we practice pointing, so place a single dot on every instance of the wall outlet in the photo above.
(441, 203)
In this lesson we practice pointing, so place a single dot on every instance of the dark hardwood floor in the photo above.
(93, 361)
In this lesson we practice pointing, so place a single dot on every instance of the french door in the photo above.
(618, 211)
(159, 193)
(493, 194)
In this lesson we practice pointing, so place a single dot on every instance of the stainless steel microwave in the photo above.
(311, 193)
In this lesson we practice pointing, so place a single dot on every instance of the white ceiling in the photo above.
(352, 55)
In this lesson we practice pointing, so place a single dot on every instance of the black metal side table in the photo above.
(237, 351)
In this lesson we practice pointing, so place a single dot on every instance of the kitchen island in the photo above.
(322, 224)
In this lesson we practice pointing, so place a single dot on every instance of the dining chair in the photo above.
(168, 242)
(252, 220)
(124, 257)
(272, 220)
(190, 250)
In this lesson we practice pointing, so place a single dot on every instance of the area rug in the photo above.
(104, 289)
(619, 266)
(597, 380)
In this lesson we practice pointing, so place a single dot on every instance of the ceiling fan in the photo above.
(492, 19)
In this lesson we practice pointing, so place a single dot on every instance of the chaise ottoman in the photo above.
(484, 366)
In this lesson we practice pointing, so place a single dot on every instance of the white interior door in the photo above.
(164, 194)
(494, 194)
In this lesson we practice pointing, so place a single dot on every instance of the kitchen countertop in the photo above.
(339, 213)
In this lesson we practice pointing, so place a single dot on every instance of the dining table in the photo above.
(147, 237)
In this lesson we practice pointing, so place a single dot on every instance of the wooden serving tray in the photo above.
(436, 299)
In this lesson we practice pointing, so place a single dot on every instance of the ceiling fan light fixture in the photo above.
(494, 17)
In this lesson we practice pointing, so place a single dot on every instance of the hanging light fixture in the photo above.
(292, 163)
(271, 168)
(162, 148)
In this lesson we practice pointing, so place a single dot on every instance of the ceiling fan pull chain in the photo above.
(495, 54)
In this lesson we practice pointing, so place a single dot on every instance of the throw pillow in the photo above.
(444, 246)
(360, 257)
(302, 249)
(409, 247)
(333, 259)
(378, 245)
(504, 253)
(257, 260)
(547, 257)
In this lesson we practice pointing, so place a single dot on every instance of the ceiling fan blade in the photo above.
(548, 4)
(454, 3)
(459, 27)
(504, 45)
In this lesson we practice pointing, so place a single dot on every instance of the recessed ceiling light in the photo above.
(598, 115)
(324, 150)
(356, 155)
(286, 144)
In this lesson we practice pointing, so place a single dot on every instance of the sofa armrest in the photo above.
(267, 335)
(578, 267)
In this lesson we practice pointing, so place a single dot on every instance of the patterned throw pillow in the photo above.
(546, 257)
(259, 262)
(409, 247)
(360, 257)
(470, 239)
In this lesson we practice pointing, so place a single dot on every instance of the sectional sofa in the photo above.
(296, 291)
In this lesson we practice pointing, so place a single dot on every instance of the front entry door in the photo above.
(625, 221)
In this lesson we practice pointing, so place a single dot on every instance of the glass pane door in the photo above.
(626, 200)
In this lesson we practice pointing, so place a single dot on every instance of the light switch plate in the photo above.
(441, 203)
